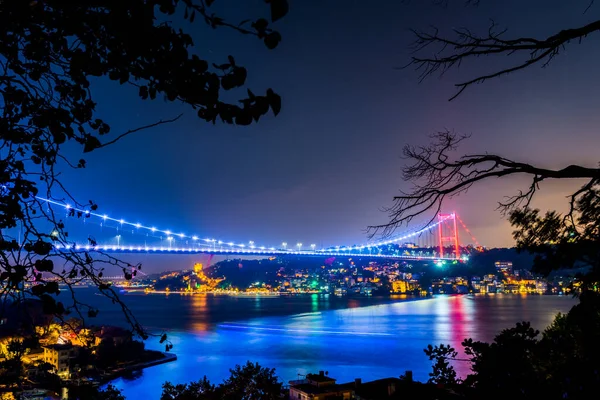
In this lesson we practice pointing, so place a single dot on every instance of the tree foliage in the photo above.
(199, 390)
(52, 54)
(520, 363)
(252, 382)
(437, 173)
(248, 382)
(563, 241)
(442, 371)
(89, 392)
(109, 393)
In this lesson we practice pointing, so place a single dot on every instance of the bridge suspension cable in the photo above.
(242, 247)
(468, 231)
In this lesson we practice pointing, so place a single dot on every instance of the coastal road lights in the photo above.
(251, 244)
(284, 244)
(299, 245)
(312, 246)
(118, 240)
(170, 240)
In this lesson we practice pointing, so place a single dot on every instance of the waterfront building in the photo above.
(319, 387)
(476, 284)
(504, 267)
(401, 286)
(60, 356)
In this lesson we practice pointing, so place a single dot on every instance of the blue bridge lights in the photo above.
(195, 245)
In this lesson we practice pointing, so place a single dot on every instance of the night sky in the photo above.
(321, 170)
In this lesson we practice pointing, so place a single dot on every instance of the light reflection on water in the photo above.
(199, 304)
(369, 342)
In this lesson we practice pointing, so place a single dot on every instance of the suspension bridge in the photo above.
(438, 241)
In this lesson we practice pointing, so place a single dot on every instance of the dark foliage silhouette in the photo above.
(248, 382)
(438, 173)
(562, 362)
(521, 364)
(52, 53)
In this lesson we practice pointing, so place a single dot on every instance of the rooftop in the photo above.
(59, 346)
(320, 378)
(396, 389)
(312, 389)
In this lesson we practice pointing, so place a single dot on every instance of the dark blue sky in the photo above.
(321, 170)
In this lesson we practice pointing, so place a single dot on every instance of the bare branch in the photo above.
(591, 3)
(141, 128)
(436, 176)
(467, 45)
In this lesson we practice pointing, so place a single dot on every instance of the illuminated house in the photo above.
(319, 387)
(504, 267)
(401, 286)
(60, 356)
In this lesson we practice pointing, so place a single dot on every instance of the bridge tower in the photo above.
(448, 233)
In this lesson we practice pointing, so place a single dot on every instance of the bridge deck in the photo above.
(246, 252)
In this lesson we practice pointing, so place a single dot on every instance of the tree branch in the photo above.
(161, 122)
(436, 176)
(467, 45)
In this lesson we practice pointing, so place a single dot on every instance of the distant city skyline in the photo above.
(322, 169)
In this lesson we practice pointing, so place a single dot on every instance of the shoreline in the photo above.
(167, 357)
(336, 353)
(121, 372)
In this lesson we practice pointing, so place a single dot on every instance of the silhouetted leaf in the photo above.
(260, 24)
(46, 265)
(279, 8)
(91, 144)
(51, 53)
(274, 101)
(272, 40)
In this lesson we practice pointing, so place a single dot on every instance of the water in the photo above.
(350, 338)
